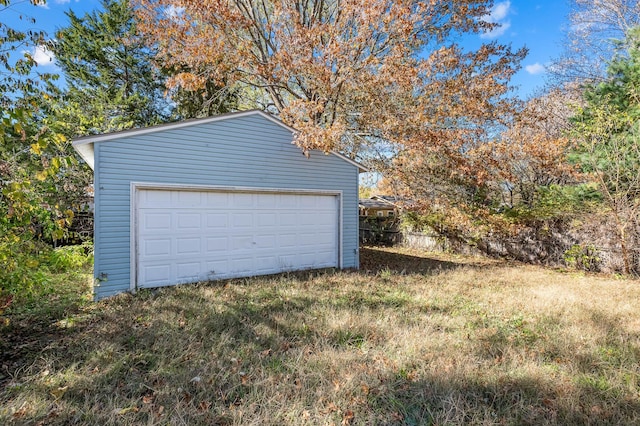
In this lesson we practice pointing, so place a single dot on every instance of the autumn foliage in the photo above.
(353, 75)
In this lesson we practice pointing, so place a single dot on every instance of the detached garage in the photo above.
(214, 198)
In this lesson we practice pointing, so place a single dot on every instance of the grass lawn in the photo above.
(410, 339)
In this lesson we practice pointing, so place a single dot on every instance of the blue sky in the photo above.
(536, 24)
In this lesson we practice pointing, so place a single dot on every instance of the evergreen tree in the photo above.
(609, 133)
(112, 83)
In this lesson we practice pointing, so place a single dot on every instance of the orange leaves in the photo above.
(186, 80)
(331, 69)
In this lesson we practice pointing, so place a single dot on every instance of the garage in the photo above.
(195, 235)
(215, 198)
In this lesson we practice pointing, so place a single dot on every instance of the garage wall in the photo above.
(247, 151)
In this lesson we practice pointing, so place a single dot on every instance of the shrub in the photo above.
(63, 259)
(27, 267)
(583, 257)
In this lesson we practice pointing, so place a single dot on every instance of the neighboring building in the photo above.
(214, 198)
(372, 207)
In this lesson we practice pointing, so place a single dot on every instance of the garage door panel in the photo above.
(242, 265)
(156, 198)
(241, 200)
(217, 244)
(307, 239)
(287, 240)
(188, 246)
(324, 239)
(217, 220)
(266, 264)
(217, 199)
(218, 268)
(156, 275)
(307, 203)
(156, 221)
(157, 247)
(185, 221)
(187, 198)
(323, 221)
(266, 201)
(267, 219)
(241, 242)
(207, 235)
(188, 271)
(243, 220)
(266, 242)
(288, 219)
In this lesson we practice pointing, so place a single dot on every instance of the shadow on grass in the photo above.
(376, 260)
(31, 330)
(28, 327)
(213, 353)
(202, 354)
(523, 400)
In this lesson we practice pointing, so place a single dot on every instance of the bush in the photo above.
(63, 259)
(582, 257)
(27, 267)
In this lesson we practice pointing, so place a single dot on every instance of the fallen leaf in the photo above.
(265, 353)
(126, 410)
(397, 416)
(204, 405)
(58, 393)
(365, 389)
(347, 417)
(20, 412)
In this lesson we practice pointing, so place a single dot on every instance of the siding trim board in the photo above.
(136, 187)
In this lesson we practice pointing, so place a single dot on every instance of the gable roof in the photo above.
(371, 203)
(85, 144)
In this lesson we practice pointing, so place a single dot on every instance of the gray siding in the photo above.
(248, 151)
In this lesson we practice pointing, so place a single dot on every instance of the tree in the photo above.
(594, 31)
(111, 80)
(609, 133)
(350, 75)
(532, 153)
(33, 159)
(17, 77)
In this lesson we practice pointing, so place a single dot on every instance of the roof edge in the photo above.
(361, 168)
(177, 125)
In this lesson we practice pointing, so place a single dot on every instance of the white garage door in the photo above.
(187, 236)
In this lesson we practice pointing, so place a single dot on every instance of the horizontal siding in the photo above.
(248, 151)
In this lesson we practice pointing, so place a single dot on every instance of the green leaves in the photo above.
(608, 132)
(112, 82)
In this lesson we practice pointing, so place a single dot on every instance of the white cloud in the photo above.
(42, 56)
(536, 68)
(499, 13)
(497, 31)
(41, 3)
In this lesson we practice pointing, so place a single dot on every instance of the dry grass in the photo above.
(410, 339)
